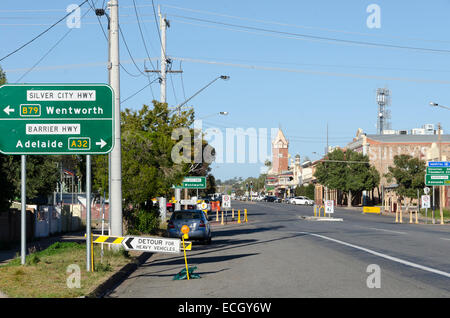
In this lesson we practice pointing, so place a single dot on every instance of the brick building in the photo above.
(381, 150)
(283, 176)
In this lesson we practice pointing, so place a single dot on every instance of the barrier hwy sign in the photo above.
(56, 119)
(151, 244)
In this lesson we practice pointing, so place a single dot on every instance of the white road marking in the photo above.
(391, 258)
(373, 228)
(443, 238)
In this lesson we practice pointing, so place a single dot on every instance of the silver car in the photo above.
(196, 220)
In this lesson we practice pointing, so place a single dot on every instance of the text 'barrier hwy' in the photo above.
(56, 119)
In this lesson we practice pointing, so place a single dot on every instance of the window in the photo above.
(187, 216)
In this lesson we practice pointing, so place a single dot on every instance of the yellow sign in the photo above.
(107, 239)
(188, 246)
(371, 209)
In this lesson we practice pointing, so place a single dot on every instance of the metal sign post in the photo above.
(23, 243)
(88, 215)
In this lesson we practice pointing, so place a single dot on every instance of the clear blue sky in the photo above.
(277, 79)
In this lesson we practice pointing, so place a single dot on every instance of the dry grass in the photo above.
(45, 274)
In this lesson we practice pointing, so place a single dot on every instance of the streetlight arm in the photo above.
(438, 105)
(199, 91)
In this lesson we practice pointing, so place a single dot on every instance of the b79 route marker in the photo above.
(56, 119)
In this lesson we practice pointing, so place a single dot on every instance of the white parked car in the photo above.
(302, 201)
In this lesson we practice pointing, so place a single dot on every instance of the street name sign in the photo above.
(56, 119)
(152, 244)
(437, 180)
(439, 164)
(438, 170)
(192, 183)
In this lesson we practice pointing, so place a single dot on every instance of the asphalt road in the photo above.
(280, 254)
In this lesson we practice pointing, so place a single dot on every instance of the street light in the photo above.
(433, 104)
(214, 114)
(223, 77)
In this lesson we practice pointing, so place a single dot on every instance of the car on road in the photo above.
(270, 198)
(196, 220)
(302, 201)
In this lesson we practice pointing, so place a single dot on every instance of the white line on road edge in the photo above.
(447, 239)
(391, 258)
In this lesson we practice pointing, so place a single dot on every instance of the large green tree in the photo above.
(409, 173)
(148, 169)
(348, 171)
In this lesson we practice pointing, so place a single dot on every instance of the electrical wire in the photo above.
(300, 26)
(129, 52)
(314, 37)
(42, 33)
(182, 82)
(303, 71)
(142, 35)
(49, 51)
(137, 92)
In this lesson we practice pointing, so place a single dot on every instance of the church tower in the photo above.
(280, 155)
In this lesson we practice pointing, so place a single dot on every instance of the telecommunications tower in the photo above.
(384, 114)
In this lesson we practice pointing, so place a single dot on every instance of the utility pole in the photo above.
(116, 154)
(441, 188)
(163, 25)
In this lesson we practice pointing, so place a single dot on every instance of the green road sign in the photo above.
(193, 183)
(55, 119)
(437, 180)
(438, 171)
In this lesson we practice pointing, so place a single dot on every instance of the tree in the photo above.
(348, 171)
(305, 190)
(409, 173)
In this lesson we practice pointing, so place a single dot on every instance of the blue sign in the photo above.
(439, 164)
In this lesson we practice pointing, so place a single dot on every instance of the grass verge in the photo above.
(47, 272)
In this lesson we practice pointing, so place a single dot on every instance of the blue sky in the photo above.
(277, 79)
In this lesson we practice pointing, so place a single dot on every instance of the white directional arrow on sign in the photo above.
(151, 244)
(101, 143)
(8, 110)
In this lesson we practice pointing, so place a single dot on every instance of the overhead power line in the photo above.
(42, 33)
(301, 26)
(49, 51)
(322, 38)
(291, 70)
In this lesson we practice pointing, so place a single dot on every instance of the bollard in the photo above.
(322, 207)
(239, 216)
(222, 218)
(417, 218)
(245, 216)
(217, 215)
(315, 207)
(232, 214)
(410, 217)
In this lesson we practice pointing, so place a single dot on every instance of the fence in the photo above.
(10, 224)
(51, 220)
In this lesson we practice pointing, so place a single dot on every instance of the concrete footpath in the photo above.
(40, 244)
